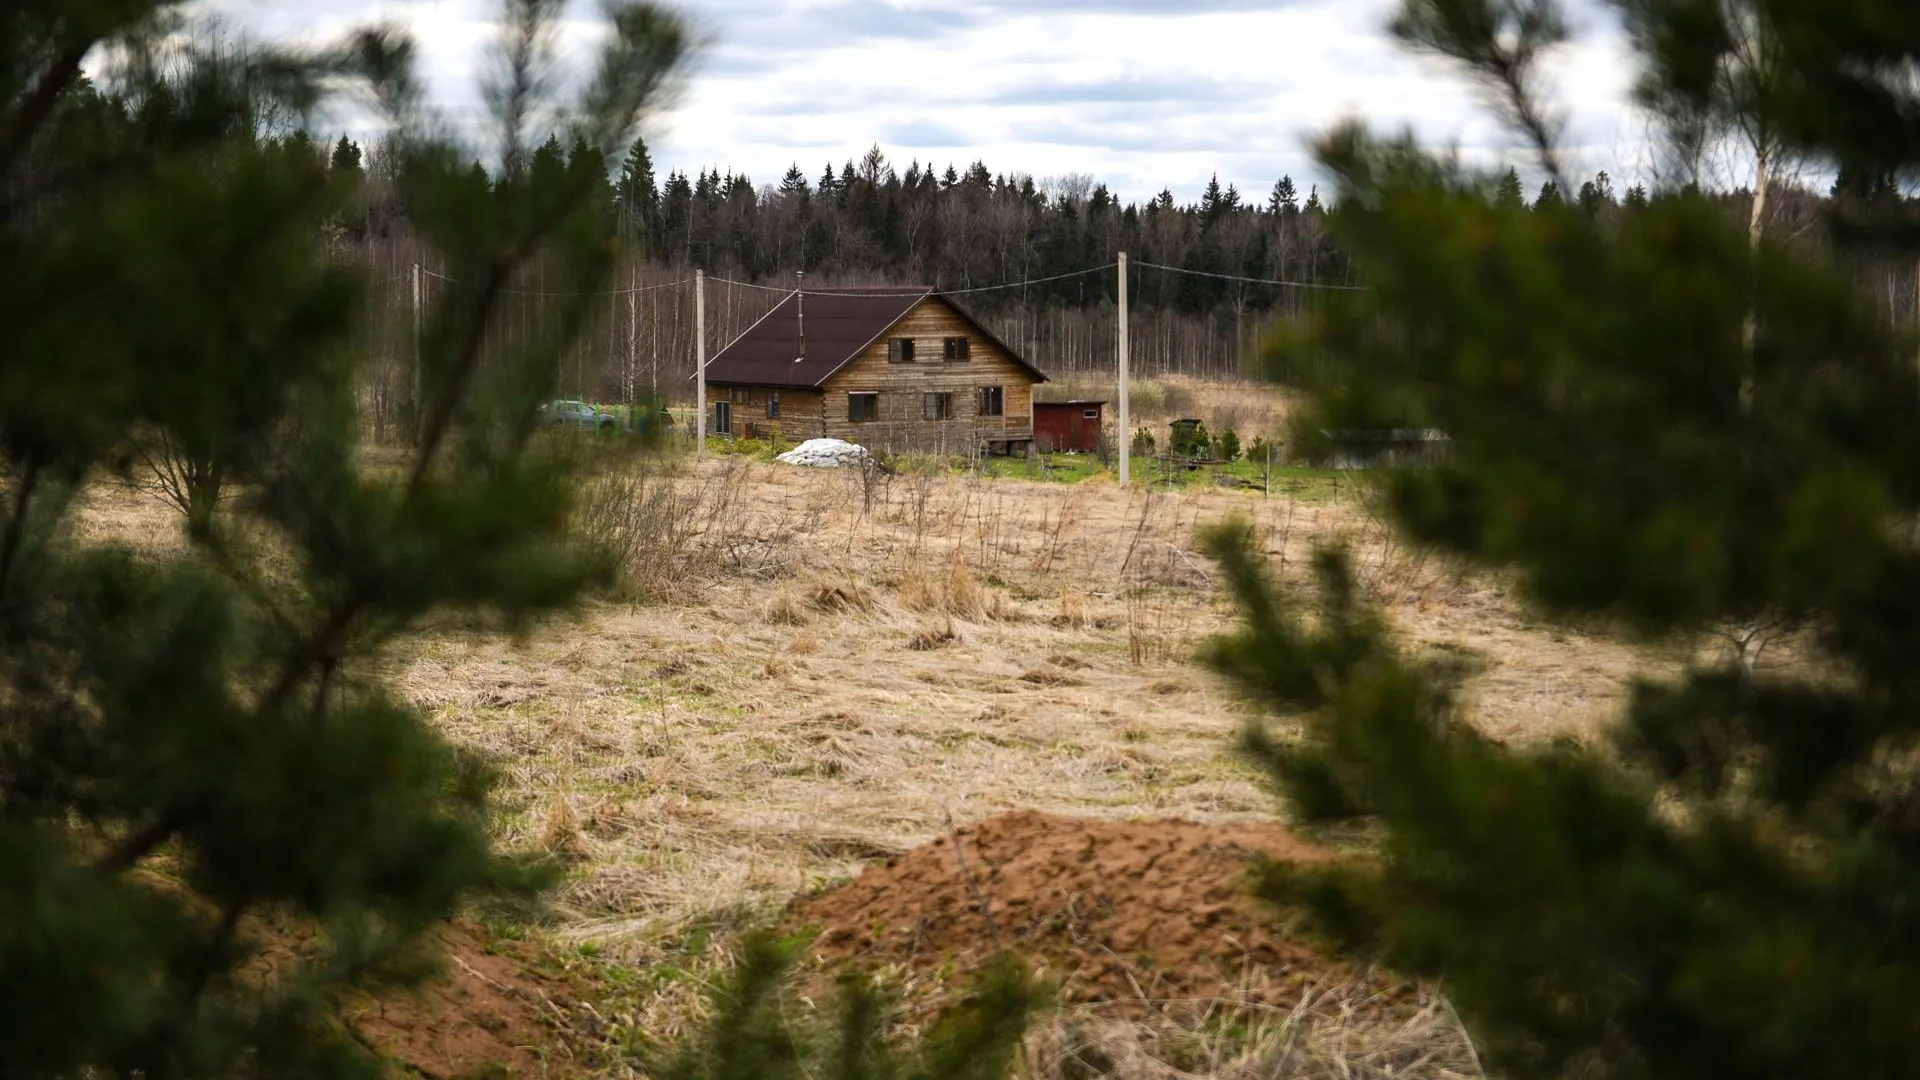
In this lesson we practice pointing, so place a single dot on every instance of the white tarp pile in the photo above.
(827, 454)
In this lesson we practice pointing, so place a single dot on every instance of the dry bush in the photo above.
(1159, 630)
(563, 837)
(841, 596)
(1074, 613)
(1148, 398)
(930, 638)
(952, 591)
(1177, 401)
(664, 531)
(786, 609)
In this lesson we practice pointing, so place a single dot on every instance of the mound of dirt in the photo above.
(492, 1012)
(1143, 912)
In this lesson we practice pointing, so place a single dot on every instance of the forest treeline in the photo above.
(870, 221)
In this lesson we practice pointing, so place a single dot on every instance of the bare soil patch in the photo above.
(1127, 913)
(496, 1009)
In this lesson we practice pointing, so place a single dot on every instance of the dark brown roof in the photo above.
(841, 324)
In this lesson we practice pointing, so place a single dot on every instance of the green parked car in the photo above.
(578, 415)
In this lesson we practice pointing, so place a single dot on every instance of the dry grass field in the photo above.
(814, 670)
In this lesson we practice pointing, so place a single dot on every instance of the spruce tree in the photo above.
(1508, 192)
(637, 195)
(794, 184)
(1727, 888)
(346, 156)
(1285, 198)
(200, 757)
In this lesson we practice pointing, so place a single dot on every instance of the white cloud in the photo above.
(1139, 93)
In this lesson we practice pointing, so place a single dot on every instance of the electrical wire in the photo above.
(564, 296)
(1251, 280)
(906, 291)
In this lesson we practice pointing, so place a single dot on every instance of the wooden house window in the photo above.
(959, 348)
(1091, 414)
(993, 401)
(723, 418)
(937, 406)
(900, 350)
(741, 396)
(773, 404)
(863, 407)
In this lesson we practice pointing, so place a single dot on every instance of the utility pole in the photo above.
(700, 363)
(419, 382)
(1124, 438)
(633, 340)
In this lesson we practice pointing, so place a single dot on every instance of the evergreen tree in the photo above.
(1596, 195)
(1636, 197)
(1285, 198)
(637, 194)
(1213, 203)
(587, 173)
(346, 157)
(794, 184)
(548, 165)
(1727, 888)
(200, 754)
(676, 217)
(1549, 197)
(1864, 184)
(1509, 195)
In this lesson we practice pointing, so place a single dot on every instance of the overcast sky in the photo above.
(1141, 94)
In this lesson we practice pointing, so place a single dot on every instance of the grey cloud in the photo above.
(916, 134)
(1125, 92)
(759, 27)
(1214, 137)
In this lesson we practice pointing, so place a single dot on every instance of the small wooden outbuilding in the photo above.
(1068, 425)
(898, 368)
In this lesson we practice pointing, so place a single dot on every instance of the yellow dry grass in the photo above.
(837, 673)
(835, 683)
(832, 683)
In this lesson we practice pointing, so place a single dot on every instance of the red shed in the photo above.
(1068, 425)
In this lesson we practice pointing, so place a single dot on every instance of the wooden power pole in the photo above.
(700, 363)
(1123, 439)
(419, 380)
(633, 339)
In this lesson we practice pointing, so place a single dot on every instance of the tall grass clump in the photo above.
(657, 527)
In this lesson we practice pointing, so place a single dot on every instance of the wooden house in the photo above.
(897, 368)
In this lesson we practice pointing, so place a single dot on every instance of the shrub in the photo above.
(1264, 451)
(1227, 446)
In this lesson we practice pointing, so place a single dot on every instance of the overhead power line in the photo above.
(1254, 280)
(562, 295)
(908, 291)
